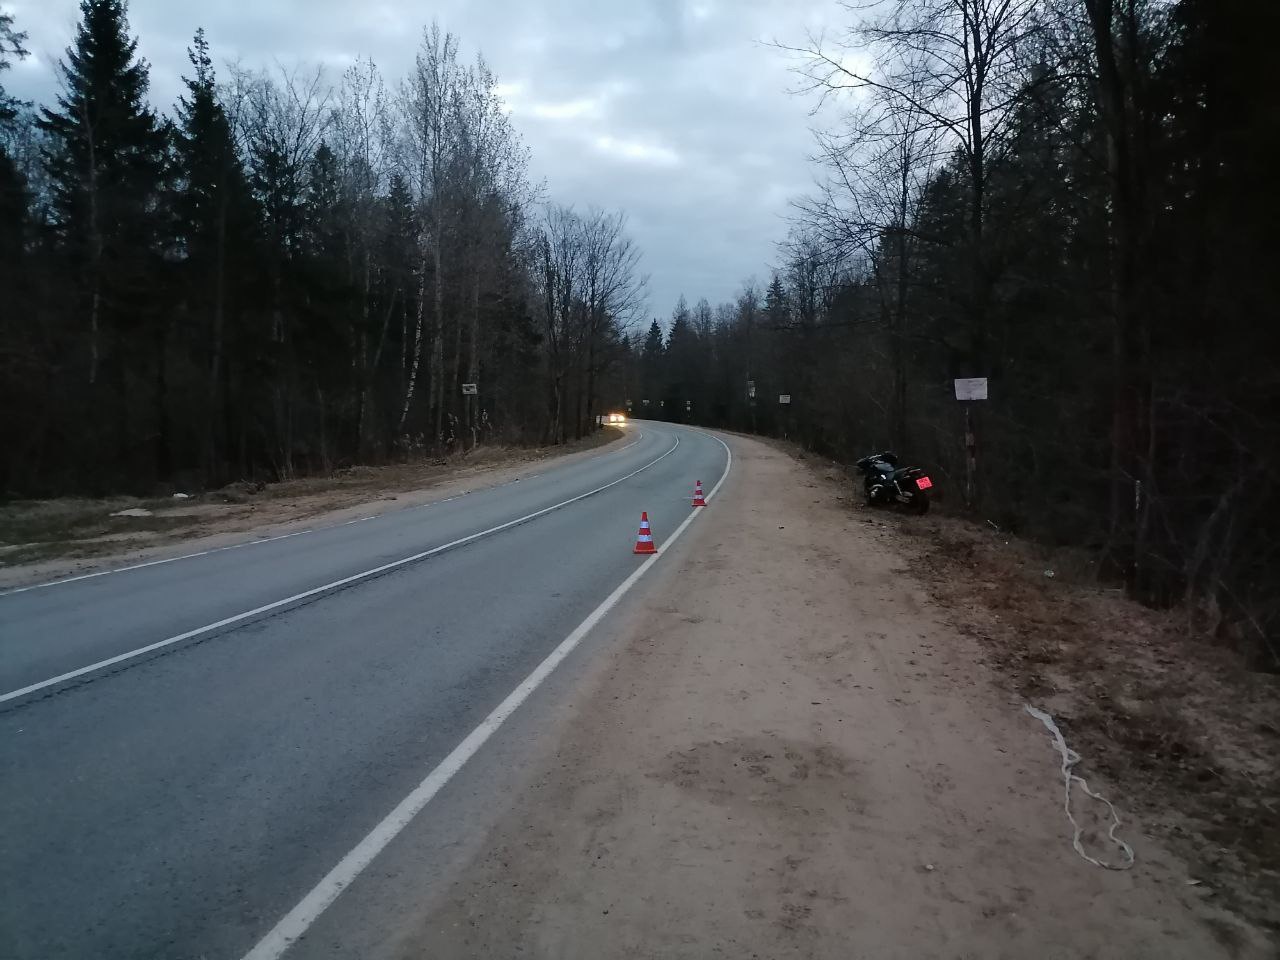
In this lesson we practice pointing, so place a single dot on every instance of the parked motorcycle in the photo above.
(887, 484)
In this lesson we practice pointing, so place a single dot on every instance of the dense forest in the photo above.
(285, 274)
(1069, 198)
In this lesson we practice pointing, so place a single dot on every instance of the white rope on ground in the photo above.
(1069, 759)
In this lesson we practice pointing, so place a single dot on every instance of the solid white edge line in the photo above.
(345, 581)
(297, 921)
(250, 543)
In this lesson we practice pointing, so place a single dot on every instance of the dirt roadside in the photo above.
(51, 539)
(793, 754)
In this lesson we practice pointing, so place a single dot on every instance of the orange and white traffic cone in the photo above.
(644, 539)
(698, 499)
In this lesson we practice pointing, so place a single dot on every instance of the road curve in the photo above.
(178, 802)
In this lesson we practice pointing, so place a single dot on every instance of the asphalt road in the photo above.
(176, 804)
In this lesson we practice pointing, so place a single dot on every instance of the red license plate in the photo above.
(924, 483)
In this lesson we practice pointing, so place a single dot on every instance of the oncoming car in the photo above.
(615, 418)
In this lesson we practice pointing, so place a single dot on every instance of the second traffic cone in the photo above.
(698, 499)
(644, 539)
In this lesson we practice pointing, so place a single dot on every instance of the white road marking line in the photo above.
(296, 922)
(314, 591)
(250, 543)
(156, 563)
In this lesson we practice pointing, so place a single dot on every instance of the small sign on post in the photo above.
(470, 389)
(971, 388)
(784, 398)
(751, 389)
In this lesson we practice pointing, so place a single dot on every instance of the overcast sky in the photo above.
(672, 110)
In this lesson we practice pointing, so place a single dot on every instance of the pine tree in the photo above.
(19, 366)
(398, 242)
(775, 302)
(13, 187)
(652, 374)
(13, 214)
(329, 299)
(682, 366)
(215, 226)
(106, 159)
(322, 214)
(11, 45)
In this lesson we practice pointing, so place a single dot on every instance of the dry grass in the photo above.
(1185, 735)
(33, 530)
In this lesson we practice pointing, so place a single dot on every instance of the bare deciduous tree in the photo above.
(952, 68)
(429, 101)
(364, 141)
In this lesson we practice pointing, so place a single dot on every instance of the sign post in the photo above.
(471, 390)
(967, 391)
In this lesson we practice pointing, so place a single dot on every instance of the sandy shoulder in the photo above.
(792, 755)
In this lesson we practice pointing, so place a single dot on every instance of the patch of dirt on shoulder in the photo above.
(1184, 735)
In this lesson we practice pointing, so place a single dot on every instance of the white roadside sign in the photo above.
(974, 388)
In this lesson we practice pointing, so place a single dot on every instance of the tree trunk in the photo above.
(95, 262)
(233, 438)
(898, 351)
(216, 399)
(281, 386)
(437, 339)
(326, 461)
(95, 305)
(163, 459)
(416, 358)
(1116, 108)
(557, 409)
(457, 365)
(473, 362)
(362, 363)
(589, 420)
(367, 403)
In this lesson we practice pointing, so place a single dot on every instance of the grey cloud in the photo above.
(669, 109)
